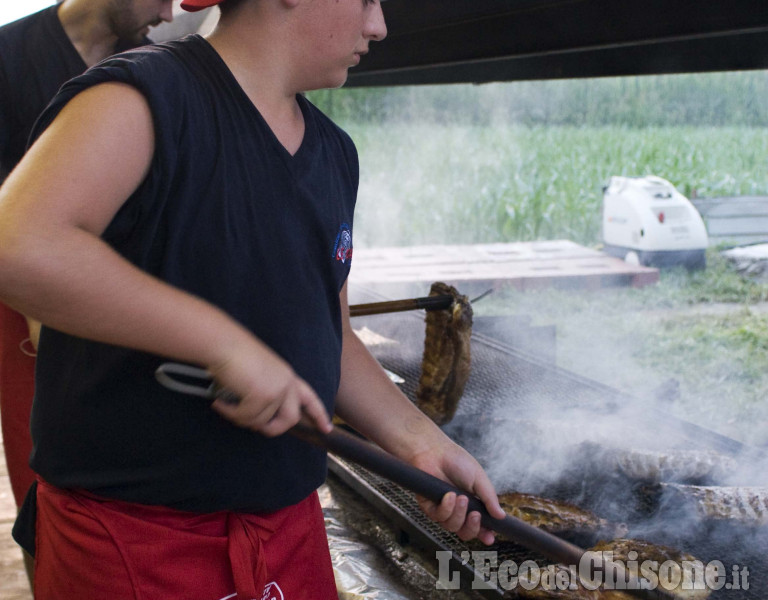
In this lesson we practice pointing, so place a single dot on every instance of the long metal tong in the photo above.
(361, 452)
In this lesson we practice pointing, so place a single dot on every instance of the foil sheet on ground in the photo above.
(447, 359)
(360, 568)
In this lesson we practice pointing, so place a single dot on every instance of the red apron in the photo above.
(93, 548)
(17, 388)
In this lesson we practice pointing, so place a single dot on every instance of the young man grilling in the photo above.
(184, 201)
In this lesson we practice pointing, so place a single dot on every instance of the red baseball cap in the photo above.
(194, 5)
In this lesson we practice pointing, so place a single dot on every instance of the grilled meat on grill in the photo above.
(569, 587)
(674, 465)
(552, 591)
(747, 505)
(446, 361)
(558, 517)
(680, 563)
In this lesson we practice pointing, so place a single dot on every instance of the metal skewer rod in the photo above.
(426, 303)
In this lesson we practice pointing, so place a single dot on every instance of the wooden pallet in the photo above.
(521, 265)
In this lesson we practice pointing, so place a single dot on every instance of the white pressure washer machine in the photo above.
(646, 221)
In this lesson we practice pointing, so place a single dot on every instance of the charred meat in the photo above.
(743, 504)
(532, 588)
(446, 361)
(632, 554)
(683, 466)
(569, 587)
(558, 517)
(642, 465)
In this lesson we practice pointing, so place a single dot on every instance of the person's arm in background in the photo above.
(374, 406)
(5, 122)
(5, 169)
(55, 267)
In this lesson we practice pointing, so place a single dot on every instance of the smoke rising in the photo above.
(427, 179)
(625, 456)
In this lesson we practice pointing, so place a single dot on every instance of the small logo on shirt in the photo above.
(342, 249)
(272, 591)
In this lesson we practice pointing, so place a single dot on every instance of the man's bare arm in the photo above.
(372, 404)
(55, 268)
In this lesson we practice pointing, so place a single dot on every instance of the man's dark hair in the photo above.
(229, 5)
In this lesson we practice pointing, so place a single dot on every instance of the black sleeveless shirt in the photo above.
(229, 215)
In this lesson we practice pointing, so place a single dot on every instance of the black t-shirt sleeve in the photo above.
(36, 57)
(5, 123)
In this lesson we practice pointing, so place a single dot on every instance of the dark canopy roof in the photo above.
(452, 41)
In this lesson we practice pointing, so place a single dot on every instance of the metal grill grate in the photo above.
(507, 382)
(401, 508)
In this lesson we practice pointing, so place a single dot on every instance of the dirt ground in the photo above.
(13, 579)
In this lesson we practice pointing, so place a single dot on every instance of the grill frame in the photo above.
(403, 513)
(503, 377)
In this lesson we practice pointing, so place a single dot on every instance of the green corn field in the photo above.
(434, 183)
(527, 160)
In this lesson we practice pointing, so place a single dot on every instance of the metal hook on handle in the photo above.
(168, 375)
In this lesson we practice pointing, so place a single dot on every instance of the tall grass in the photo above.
(432, 183)
(718, 99)
(528, 160)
